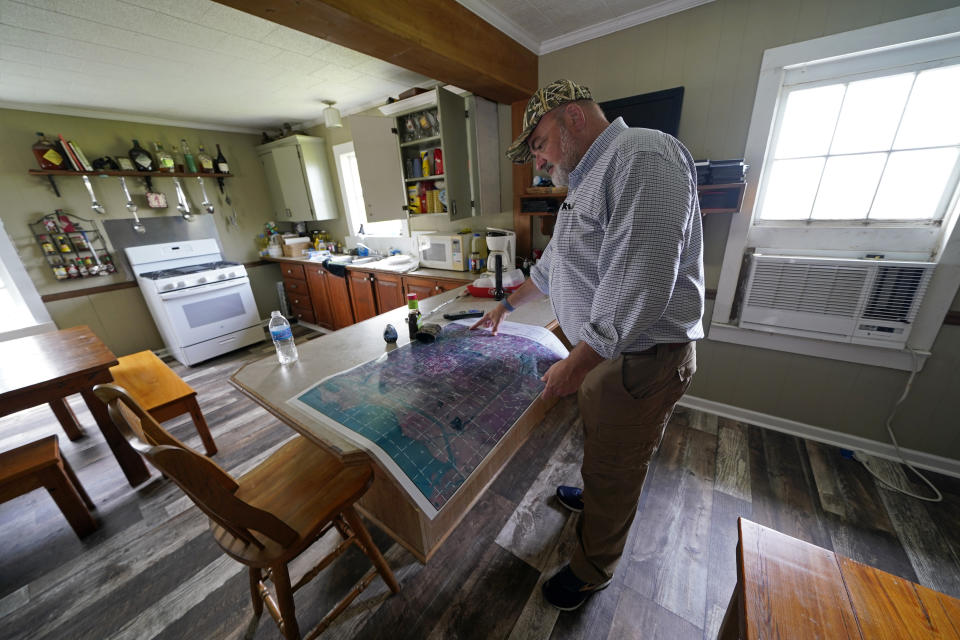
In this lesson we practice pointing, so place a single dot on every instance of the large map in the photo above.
(432, 412)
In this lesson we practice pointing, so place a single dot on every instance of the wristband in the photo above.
(506, 305)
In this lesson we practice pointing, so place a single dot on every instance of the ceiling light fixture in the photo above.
(331, 115)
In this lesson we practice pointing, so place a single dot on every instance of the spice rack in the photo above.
(72, 246)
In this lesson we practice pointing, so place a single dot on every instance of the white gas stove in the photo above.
(202, 305)
(176, 278)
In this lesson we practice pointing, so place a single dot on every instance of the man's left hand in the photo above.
(563, 378)
(566, 376)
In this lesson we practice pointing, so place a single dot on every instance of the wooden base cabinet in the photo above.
(331, 298)
(388, 288)
(317, 283)
(298, 292)
(427, 287)
(338, 297)
(363, 300)
(374, 292)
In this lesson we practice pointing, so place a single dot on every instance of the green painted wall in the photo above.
(121, 318)
(714, 51)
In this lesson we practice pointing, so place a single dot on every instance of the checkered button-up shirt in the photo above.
(624, 269)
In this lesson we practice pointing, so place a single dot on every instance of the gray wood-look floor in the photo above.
(152, 570)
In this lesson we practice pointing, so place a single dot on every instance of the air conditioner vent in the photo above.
(805, 287)
(893, 294)
(862, 301)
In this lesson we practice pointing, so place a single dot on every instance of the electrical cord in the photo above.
(906, 390)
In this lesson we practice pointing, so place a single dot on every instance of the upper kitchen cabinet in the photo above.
(415, 160)
(298, 178)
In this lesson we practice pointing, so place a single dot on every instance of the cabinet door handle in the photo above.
(436, 288)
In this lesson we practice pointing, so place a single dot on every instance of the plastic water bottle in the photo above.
(283, 338)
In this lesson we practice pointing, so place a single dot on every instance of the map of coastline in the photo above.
(434, 411)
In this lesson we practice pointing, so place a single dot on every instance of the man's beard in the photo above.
(568, 159)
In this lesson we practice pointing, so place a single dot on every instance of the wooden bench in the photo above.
(787, 588)
(39, 464)
(161, 392)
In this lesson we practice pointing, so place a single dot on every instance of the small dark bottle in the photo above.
(220, 164)
(141, 158)
(414, 317)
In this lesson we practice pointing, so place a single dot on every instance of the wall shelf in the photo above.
(105, 173)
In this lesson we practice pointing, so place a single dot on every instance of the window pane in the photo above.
(913, 184)
(847, 187)
(790, 189)
(870, 114)
(931, 115)
(808, 121)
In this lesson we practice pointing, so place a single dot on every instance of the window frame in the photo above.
(882, 46)
(22, 292)
(797, 81)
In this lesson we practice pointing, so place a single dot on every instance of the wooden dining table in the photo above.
(47, 367)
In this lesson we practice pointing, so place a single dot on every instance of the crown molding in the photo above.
(647, 14)
(123, 117)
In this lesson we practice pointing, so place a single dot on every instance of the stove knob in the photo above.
(167, 286)
(201, 280)
(181, 284)
(232, 274)
(221, 276)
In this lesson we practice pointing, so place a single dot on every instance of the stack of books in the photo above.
(74, 156)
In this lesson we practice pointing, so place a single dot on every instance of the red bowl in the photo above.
(487, 292)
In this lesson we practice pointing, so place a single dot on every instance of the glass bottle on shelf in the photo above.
(206, 162)
(220, 164)
(46, 153)
(164, 160)
(187, 156)
(141, 158)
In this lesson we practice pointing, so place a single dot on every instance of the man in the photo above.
(624, 272)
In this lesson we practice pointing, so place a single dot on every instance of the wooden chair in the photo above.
(161, 392)
(39, 464)
(270, 515)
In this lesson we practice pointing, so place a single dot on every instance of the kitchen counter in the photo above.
(423, 272)
(386, 503)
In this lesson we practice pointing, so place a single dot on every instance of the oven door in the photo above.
(210, 310)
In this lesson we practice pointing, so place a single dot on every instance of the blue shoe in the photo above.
(571, 498)
(567, 592)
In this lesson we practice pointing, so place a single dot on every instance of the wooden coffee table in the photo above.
(48, 367)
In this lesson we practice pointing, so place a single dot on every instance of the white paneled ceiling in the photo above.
(199, 62)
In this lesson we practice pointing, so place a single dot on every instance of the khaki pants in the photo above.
(625, 405)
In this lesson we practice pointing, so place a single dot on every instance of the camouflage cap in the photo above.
(545, 99)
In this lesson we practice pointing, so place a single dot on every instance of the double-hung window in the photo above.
(869, 150)
(854, 142)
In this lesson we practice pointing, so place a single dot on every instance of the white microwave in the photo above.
(445, 252)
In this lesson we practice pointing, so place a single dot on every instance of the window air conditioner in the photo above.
(870, 302)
